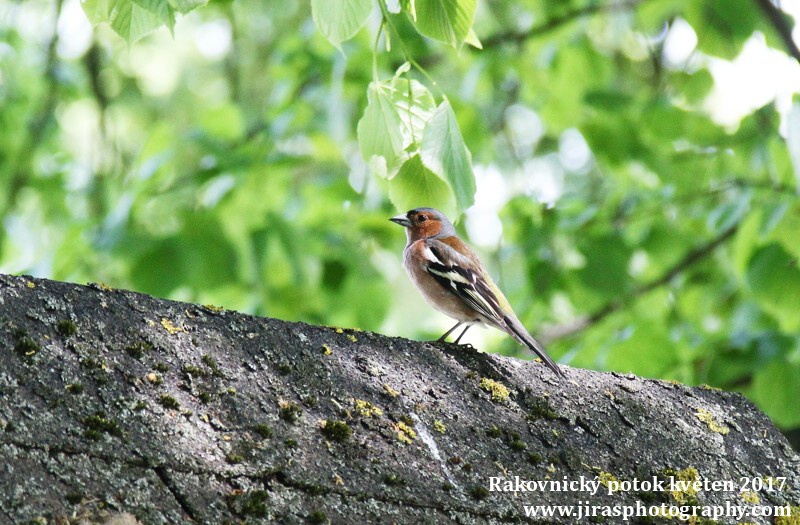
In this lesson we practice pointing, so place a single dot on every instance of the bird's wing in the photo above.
(460, 275)
(463, 276)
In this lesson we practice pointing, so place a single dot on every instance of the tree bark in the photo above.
(116, 405)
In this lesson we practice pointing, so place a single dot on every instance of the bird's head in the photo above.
(424, 223)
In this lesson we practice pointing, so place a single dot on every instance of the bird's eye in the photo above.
(422, 218)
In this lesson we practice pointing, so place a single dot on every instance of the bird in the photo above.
(452, 279)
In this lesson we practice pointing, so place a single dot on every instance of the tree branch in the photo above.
(37, 124)
(780, 22)
(774, 187)
(185, 414)
(555, 22)
(693, 256)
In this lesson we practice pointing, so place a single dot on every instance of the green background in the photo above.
(638, 235)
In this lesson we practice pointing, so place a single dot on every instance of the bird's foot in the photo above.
(441, 341)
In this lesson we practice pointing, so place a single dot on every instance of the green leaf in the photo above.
(775, 388)
(774, 278)
(415, 106)
(726, 24)
(573, 75)
(650, 16)
(97, 11)
(793, 139)
(224, 122)
(694, 86)
(415, 186)
(727, 214)
(340, 20)
(410, 7)
(379, 130)
(473, 40)
(782, 226)
(745, 241)
(131, 19)
(394, 121)
(445, 154)
(605, 273)
(184, 6)
(447, 21)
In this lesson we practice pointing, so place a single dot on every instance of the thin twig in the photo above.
(555, 22)
(37, 125)
(775, 187)
(780, 21)
(693, 256)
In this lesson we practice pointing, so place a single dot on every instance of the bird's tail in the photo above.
(518, 332)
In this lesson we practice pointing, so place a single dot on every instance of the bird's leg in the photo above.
(462, 334)
(441, 339)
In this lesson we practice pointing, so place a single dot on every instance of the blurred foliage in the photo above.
(223, 164)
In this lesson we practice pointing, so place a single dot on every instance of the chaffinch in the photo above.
(453, 280)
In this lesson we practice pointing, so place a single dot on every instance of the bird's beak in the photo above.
(402, 220)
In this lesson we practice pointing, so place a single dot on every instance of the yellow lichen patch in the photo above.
(750, 497)
(104, 287)
(606, 478)
(391, 391)
(213, 308)
(326, 349)
(439, 427)
(708, 418)
(791, 516)
(405, 434)
(171, 328)
(498, 390)
(366, 409)
(339, 331)
(709, 387)
(352, 338)
(685, 478)
(30, 284)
